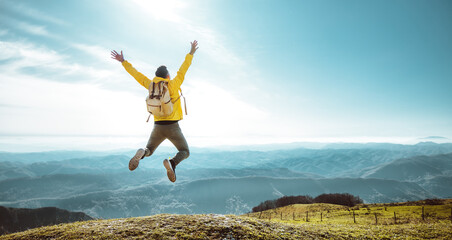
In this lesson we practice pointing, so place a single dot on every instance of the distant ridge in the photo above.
(20, 219)
(433, 173)
(434, 137)
(413, 168)
(391, 146)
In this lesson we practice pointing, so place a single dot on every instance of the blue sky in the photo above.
(266, 71)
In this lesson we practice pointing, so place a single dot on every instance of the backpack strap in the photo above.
(185, 101)
(153, 89)
(162, 83)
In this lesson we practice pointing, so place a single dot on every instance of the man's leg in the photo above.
(174, 134)
(156, 138)
(177, 138)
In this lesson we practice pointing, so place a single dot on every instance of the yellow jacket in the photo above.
(173, 86)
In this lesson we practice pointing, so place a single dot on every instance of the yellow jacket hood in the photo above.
(159, 79)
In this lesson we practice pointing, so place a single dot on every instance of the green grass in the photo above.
(167, 226)
(337, 223)
(382, 214)
(360, 222)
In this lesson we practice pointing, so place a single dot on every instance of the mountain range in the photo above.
(220, 181)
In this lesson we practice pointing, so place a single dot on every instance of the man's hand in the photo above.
(118, 56)
(194, 47)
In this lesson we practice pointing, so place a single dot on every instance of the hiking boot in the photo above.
(170, 169)
(133, 164)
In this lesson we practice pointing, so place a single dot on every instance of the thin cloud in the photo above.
(25, 58)
(34, 29)
(7, 105)
(22, 9)
(100, 53)
(27, 54)
(4, 32)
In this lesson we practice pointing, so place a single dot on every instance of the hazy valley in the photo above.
(220, 181)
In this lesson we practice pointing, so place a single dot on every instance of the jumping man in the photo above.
(164, 127)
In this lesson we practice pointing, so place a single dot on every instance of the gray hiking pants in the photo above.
(173, 133)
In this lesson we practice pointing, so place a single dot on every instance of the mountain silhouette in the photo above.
(20, 219)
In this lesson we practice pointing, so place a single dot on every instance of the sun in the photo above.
(168, 10)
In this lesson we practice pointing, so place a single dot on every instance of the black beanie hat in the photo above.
(161, 72)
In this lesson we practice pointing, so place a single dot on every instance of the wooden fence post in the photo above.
(423, 214)
(270, 216)
(321, 216)
(260, 215)
(307, 216)
(395, 218)
(293, 216)
(281, 215)
(354, 219)
(376, 219)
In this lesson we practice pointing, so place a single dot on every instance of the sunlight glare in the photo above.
(168, 10)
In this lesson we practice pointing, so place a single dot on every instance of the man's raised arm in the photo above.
(179, 79)
(141, 78)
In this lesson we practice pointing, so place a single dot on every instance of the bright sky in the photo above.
(266, 71)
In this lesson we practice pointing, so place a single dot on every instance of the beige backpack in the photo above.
(159, 101)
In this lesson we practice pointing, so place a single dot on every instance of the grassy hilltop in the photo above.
(366, 214)
(168, 226)
(413, 220)
(325, 221)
